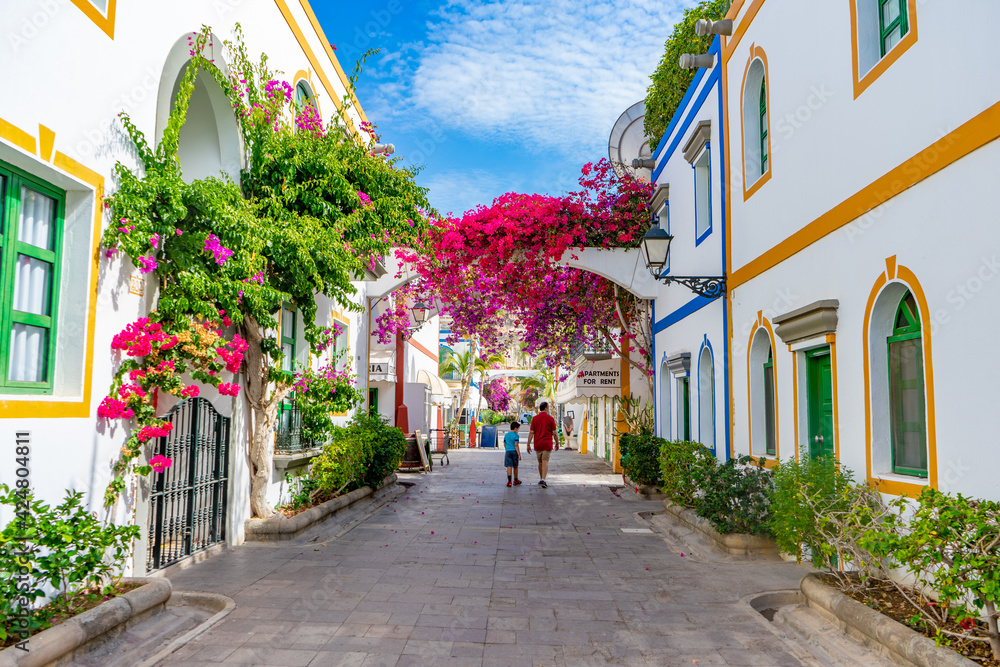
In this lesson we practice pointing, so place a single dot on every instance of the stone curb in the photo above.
(735, 544)
(61, 640)
(220, 604)
(280, 528)
(644, 490)
(877, 631)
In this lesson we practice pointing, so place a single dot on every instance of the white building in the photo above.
(860, 158)
(689, 335)
(80, 64)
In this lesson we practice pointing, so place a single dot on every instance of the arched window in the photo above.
(770, 437)
(756, 125)
(763, 127)
(706, 399)
(763, 395)
(907, 410)
(304, 96)
(664, 401)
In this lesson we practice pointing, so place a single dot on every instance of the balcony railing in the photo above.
(596, 351)
(288, 436)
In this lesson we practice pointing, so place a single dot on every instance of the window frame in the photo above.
(10, 247)
(706, 154)
(770, 421)
(684, 408)
(291, 340)
(912, 331)
(884, 30)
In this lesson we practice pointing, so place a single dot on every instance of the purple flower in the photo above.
(148, 264)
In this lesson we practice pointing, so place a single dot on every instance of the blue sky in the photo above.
(493, 96)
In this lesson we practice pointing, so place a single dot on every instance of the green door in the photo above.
(609, 429)
(373, 401)
(684, 432)
(819, 396)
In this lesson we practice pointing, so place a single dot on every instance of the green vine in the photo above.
(670, 82)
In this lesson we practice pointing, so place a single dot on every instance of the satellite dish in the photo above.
(628, 141)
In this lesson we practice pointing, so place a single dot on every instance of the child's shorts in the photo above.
(510, 460)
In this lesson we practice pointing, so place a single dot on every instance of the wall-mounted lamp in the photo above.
(655, 249)
(690, 61)
(708, 27)
(644, 163)
(388, 149)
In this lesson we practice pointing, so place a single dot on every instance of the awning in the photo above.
(439, 390)
(382, 366)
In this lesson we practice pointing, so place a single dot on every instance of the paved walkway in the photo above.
(461, 570)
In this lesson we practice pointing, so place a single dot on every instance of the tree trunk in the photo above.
(991, 624)
(265, 413)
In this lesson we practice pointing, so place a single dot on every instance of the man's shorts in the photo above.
(543, 454)
(510, 460)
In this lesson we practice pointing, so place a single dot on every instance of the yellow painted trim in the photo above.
(586, 430)
(726, 188)
(861, 83)
(338, 315)
(908, 278)
(18, 137)
(304, 75)
(56, 409)
(46, 140)
(421, 348)
(626, 369)
(755, 53)
(795, 398)
(742, 26)
(332, 56)
(975, 133)
(105, 23)
(314, 61)
(762, 322)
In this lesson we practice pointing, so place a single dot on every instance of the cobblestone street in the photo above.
(458, 569)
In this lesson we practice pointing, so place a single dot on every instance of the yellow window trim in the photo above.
(975, 133)
(756, 53)
(862, 82)
(339, 317)
(62, 409)
(898, 273)
(303, 75)
(770, 462)
(105, 23)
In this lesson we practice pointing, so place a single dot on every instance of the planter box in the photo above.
(280, 528)
(878, 632)
(106, 621)
(647, 492)
(736, 544)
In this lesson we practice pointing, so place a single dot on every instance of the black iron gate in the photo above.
(188, 503)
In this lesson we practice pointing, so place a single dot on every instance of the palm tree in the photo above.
(483, 365)
(526, 384)
(464, 365)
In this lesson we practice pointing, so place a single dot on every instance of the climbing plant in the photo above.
(312, 209)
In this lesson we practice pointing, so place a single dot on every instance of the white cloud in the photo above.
(457, 191)
(542, 74)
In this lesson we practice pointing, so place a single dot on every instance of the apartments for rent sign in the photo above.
(599, 378)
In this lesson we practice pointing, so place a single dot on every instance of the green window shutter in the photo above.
(770, 433)
(288, 336)
(31, 228)
(893, 23)
(763, 127)
(907, 409)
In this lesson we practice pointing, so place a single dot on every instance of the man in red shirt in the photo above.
(543, 430)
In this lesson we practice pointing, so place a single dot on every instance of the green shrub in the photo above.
(65, 546)
(684, 466)
(388, 445)
(670, 82)
(363, 453)
(736, 497)
(804, 492)
(641, 457)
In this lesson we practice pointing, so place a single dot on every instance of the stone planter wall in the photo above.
(646, 492)
(878, 632)
(280, 528)
(58, 644)
(735, 544)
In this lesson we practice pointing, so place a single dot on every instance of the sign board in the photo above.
(136, 285)
(599, 378)
(381, 368)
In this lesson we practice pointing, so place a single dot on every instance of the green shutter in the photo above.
(770, 433)
(763, 127)
(893, 23)
(31, 229)
(907, 409)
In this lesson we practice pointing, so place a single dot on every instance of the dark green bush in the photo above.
(684, 467)
(363, 453)
(804, 493)
(641, 457)
(736, 497)
(388, 445)
(670, 82)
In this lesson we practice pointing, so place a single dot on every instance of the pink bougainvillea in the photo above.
(160, 463)
(214, 246)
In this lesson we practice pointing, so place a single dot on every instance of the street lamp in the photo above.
(420, 311)
(655, 249)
